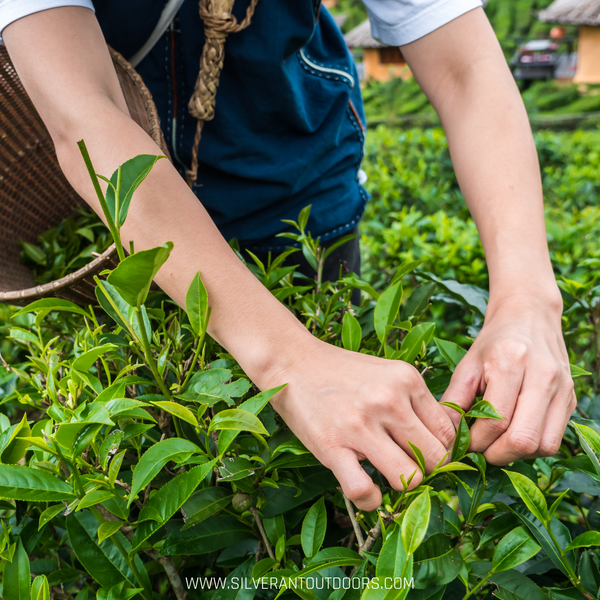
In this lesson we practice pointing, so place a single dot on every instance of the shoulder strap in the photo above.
(166, 17)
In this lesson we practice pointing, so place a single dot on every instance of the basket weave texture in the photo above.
(35, 195)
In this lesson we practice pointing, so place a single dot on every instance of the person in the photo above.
(288, 132)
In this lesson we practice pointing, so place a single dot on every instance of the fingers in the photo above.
(357, 485)
(388, 458)
(559, 412)
(540, 417)
(503, 386)
(463, 388)
(434, 419)
(415, 432)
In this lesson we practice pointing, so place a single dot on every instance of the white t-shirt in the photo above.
(394, 22)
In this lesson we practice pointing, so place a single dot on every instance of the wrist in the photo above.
(271, 360)
(543, 296)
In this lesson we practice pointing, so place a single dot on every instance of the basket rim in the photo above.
(107, 257)
(41, 291)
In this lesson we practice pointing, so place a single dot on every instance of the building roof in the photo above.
(573, 12)
(340, 19)
(360, 37)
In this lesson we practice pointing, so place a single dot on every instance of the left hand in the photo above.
(520, 364)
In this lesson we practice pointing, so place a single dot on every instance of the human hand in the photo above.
(520, 364)
(346, 407)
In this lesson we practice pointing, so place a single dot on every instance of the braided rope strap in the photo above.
(218, 24)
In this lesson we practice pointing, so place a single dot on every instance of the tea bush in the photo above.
(138, 460)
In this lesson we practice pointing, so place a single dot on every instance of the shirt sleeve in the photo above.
(11, 10)
(398, 22)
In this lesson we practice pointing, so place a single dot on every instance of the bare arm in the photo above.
(519, 358)
(344, 406)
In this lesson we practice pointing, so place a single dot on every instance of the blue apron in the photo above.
(289, 123)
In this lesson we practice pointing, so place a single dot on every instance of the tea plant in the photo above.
(138, 460)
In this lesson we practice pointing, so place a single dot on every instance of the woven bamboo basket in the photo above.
(34, 194)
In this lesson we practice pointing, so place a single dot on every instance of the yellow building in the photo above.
(585, 14)
(379, 61)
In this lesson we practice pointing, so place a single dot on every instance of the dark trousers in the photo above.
(346, 258)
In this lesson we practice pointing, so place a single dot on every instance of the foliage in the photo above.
(137, 459)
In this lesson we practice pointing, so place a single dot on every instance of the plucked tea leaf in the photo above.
(484, 410)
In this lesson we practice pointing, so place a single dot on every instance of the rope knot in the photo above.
(218, 24)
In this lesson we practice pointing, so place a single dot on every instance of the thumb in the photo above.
(463, 388)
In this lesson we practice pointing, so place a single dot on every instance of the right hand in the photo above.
(346, 407)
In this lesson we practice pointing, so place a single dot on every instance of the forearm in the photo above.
(493, 154)
(62, 60)
(246, 318)
(496, 164)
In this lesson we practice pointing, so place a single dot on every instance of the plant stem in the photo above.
(149, 357)
(263, 535)
(357, 530)
(109, 220)
(482, 582)
(570, 573)
(130, 562)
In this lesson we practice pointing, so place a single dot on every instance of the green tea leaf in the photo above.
(95, 497)
(196, 305)
(172, 496)
(393, 558)
(133, 277)
(386, 310)
(52, 304)
(415, 522)
(451, 352)
(179, 411)
(461, 441)
(514, 549)
(578, 371)
(585, 540)
(351, 332)
(40, 589)
(530, 494)
(484, 410)
(436, 562)
(26, 483)
(108, 529)
(314, 528)
(239, 420)
(50, 513)
(420, 335)
(204, 504)
(133, 172)
(16, 579)
(419, 299)
(210, 535)
(155, 458)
